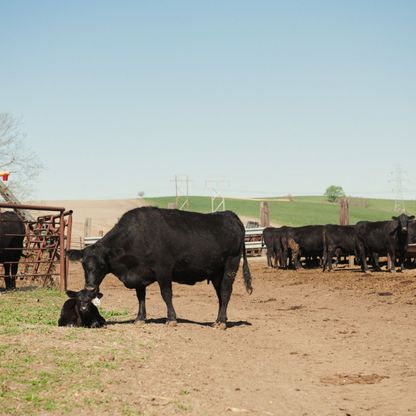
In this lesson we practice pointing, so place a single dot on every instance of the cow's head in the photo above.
(403, 221)
(94, 262)
(84, 299)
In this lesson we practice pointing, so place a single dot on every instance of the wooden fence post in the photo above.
(87, 227)
(264, 214)
(344, 216)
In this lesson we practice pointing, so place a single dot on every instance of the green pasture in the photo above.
(302, 210)
(47, 370)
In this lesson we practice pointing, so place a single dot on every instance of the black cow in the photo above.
(411, 250)
(339, 240)
(384, 238)
(268, 240)
(79, 310)
(158, 245)
(12, 234)
(309, 240)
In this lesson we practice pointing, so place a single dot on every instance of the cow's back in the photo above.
(342, 236)
(173, 232)
(309, 238)
(12, 231)
(376, 235)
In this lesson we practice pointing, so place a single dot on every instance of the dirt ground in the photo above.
(304, 343)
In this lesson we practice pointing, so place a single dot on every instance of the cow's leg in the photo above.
(392, 255)
(329, 260)
(141, 297)
(325, 260)
(8, 277)
(362, 257)
(224, 288)
(166, 292)
(402, 260)
(269, 259)
(374, 260)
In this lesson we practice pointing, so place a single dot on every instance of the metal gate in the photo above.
(46, 239)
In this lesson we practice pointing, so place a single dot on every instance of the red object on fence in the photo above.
(5, 175)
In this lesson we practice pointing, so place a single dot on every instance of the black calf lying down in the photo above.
(80, 311)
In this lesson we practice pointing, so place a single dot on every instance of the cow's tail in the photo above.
(246, 272)
(325, 252)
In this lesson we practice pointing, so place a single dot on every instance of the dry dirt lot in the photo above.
(304, 343)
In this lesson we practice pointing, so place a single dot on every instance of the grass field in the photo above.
(45, 369)
(305, 210)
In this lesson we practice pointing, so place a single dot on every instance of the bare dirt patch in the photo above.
(304, 343)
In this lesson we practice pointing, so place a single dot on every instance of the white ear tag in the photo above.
(96, 301)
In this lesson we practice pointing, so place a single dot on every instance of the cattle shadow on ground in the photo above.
(162, 321)
(19, 289)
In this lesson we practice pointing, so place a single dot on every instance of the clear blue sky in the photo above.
(273, 97)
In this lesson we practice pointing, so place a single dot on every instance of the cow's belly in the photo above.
(132, 279)
(189, 279)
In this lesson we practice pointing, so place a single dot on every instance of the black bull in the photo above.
(12, 234)
(150, 245)
(384, 238)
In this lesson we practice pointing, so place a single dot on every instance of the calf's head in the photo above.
(94, 261)
(84, 299)
(403, 221)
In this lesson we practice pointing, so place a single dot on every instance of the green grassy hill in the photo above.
(303, 210)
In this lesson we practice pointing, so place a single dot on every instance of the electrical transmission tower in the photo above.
(398, 189)
(217, 200)
(181, 191)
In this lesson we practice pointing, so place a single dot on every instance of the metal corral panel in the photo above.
(253, 241)
(88, 241)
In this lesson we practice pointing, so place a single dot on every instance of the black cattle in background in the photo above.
(12, 234)
(150, 245)
(79, 310)
(272, 240)
(268, 241)
(338, 240)
(309, 240)
(411, 251)
(384, 238)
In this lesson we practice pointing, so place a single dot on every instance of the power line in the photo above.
(181, 191)
(217, 199)
(398, 189)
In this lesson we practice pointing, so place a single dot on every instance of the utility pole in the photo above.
(398, 189)
(217, 199)
(181, 191)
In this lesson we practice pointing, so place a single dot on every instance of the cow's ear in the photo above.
(74, 254)
(394, 218)
(99, 295)
(412, 217)
(71, 294)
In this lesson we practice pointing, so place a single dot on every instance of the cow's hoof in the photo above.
(367, 272)
(392, 271)
(171, 322)
(219, 325)
(139, 322)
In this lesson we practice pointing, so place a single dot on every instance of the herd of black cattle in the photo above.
(151, 245)
(367, 241)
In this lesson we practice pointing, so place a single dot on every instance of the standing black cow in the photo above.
(384, 238)
(339, 240)
(12, 234)
(268, 240)
(309, 240)
(158, 245)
